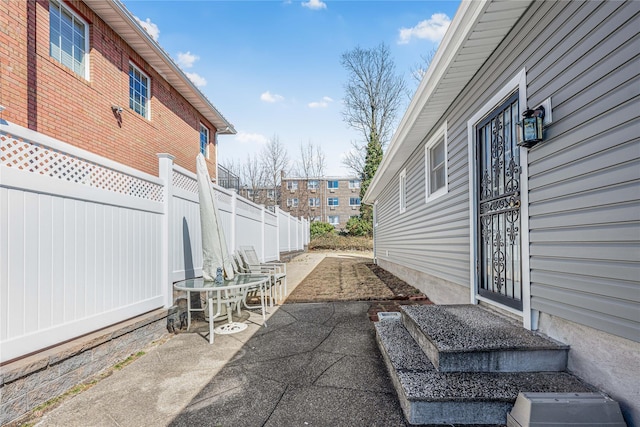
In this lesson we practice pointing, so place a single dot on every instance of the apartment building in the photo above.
(328, 199)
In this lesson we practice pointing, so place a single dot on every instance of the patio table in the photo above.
(229, 292)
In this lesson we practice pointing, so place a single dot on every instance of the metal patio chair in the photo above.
(276, 270)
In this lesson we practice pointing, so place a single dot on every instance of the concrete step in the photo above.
(428, 396)
(468, 338)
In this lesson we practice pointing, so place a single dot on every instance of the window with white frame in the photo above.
(354, 183)
(332, 201)
(292, 185)
(314, 202)
(354, 201)
(402, 190)
(332, 184)
(435, 159)
(334, 220)
(138, 91)
(68, 39)
(204, 140)
(271, 194)
(292, 203)
(313, 184)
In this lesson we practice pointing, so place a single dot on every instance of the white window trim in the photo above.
(333, 188)
(148, 109)
(337, 201)
(354, 198)
(206, 153)
(432, 142)
(87, 57)
(333, 216)
(402, 191)
(352, 183)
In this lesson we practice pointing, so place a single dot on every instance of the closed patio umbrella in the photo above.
(215, 253)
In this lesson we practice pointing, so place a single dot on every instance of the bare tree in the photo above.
(275, 161)
(354, 160)
(373, 96)
(418, 70)
(312, 163)
(253, 176)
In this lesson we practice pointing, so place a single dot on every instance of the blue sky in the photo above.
(273, 67)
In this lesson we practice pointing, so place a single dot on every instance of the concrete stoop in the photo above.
(432, 396)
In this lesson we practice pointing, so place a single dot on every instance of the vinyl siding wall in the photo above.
(583, 179)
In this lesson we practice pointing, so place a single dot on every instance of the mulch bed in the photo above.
(352, 278)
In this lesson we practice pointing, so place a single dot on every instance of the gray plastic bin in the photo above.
(565, 409)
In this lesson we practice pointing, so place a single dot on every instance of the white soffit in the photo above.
(116, 16)
(475, 32)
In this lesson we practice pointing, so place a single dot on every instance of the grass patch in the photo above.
(341, 243)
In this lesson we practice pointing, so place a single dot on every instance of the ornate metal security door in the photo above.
(498, 168)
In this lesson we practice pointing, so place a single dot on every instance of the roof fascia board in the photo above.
(207, 109)
(462, 25)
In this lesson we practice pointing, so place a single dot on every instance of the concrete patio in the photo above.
(314, 364)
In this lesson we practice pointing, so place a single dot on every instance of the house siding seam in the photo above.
(583, 179)
(41, 94)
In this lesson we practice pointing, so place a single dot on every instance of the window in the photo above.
(435, 158)
(68, 39)
(204, 140)
(316, 218)
(292, 203)
(138, 91)
(334, 220)
(354, 201)
(271, 194)
(332, 184)
(292, 185)
(250, 194)
(314, 202)
(402, 190)
(354, 183)
(313, 184)
(332, 201)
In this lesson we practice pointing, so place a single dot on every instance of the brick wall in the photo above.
(43, 95)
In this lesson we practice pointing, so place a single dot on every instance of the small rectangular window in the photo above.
(334, 219)
(292, 203)
(435, 156)
(138, 91)
(314, 202)
(204, 140)
(68, 39)
(292, 185)
(313, 184)
(354, 201)
(354, 183)
(332, 184)
(332, 201)
(402, 191)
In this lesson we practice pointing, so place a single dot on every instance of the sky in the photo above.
(272, 68)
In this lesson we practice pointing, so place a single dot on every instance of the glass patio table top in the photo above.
(198, 284)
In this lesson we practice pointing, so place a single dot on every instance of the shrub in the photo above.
(357, 226)
(319, 229)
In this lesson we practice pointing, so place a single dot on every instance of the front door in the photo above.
(498, 168)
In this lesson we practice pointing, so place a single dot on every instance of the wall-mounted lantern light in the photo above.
(530, 128)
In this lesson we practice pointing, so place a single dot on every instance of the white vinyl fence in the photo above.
(86, 242)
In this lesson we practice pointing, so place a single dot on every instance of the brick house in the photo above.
(328, 199)
(88, 74)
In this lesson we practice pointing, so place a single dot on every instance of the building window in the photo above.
(68, 39)
(316, 219)
(332, 184)
(334, 220)
(292, 185)
(354, 183)
(402, 190)
(138, 91)
(354, 201)
(314, 202)
(204, 140)
(313, 184)
(292, 203)
(332, 201)
(435, 158)
(271, 194)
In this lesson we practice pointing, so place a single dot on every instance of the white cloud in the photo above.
(430, 29)
(197, 79)
(251, 138)
(149, 27)
(324, 103)
(187, 59)
(314, 4)
(271, 97)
